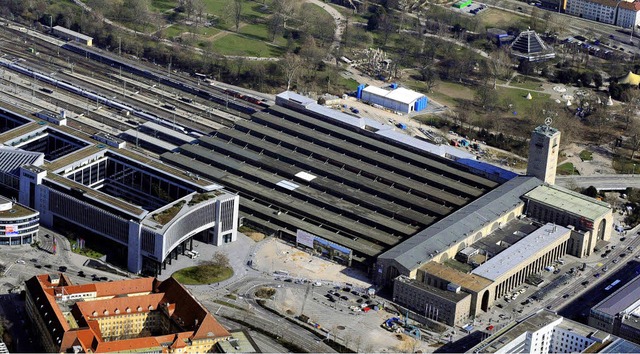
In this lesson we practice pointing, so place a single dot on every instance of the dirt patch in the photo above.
(274, 255)
(600, 163)
(256, 236)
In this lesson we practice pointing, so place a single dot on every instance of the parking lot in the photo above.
(347, 313)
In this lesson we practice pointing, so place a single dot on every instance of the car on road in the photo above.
(37, 266)
(343, 297)
(622, 255)
(615, 261)
(565, 296)
(596, 275)
(104, 278)
(20, 261)
(62, 269)
(48, 266)
(585, 283)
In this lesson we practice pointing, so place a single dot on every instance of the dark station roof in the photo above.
(294, 172)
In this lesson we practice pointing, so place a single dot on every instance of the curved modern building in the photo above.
(18, 224)
(141, 211)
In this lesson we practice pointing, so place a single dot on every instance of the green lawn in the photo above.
(258, 31)
(163, 5)
(528, 83)
(203, 274)
(517, 98)
(175, 31)
(501, 19)
(349, 84)
(233, 44)
(566, 168)
(316, 11)
(85, 251)
(586, 155)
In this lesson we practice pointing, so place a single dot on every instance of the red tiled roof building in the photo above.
(121, 316)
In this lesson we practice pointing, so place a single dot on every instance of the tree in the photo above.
(500, 65)
(597, 80)
(291, 63)
(634, 141)
(287, 9)
(199, 8)
(237, 13)
(274, 26)
(220, 259)
(429, 76)
(591, 191)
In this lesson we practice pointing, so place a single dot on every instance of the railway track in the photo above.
(190, 112)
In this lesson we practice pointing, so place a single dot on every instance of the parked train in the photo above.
(94, 96)
(220, 98)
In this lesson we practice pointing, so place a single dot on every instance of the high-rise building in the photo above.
(543, 153)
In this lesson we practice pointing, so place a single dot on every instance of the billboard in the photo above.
(305, 238)
(324, 247)
(11, 230)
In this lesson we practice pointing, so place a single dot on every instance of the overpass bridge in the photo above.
(600, 182)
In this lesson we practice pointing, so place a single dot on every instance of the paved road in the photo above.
(601, 182)
(275, 325)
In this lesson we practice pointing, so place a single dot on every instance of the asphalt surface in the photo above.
(601, 182)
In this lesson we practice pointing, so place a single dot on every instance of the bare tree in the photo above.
(634, 141)
(500, 65)
(291, 64)
(237, 13)
(199, 8)
(221, 259)
(287, 10)
(274, 26)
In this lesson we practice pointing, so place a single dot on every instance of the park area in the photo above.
(215, 27)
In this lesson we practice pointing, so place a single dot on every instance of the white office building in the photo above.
(620, 13)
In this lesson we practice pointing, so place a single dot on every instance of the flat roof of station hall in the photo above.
(360, 190)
